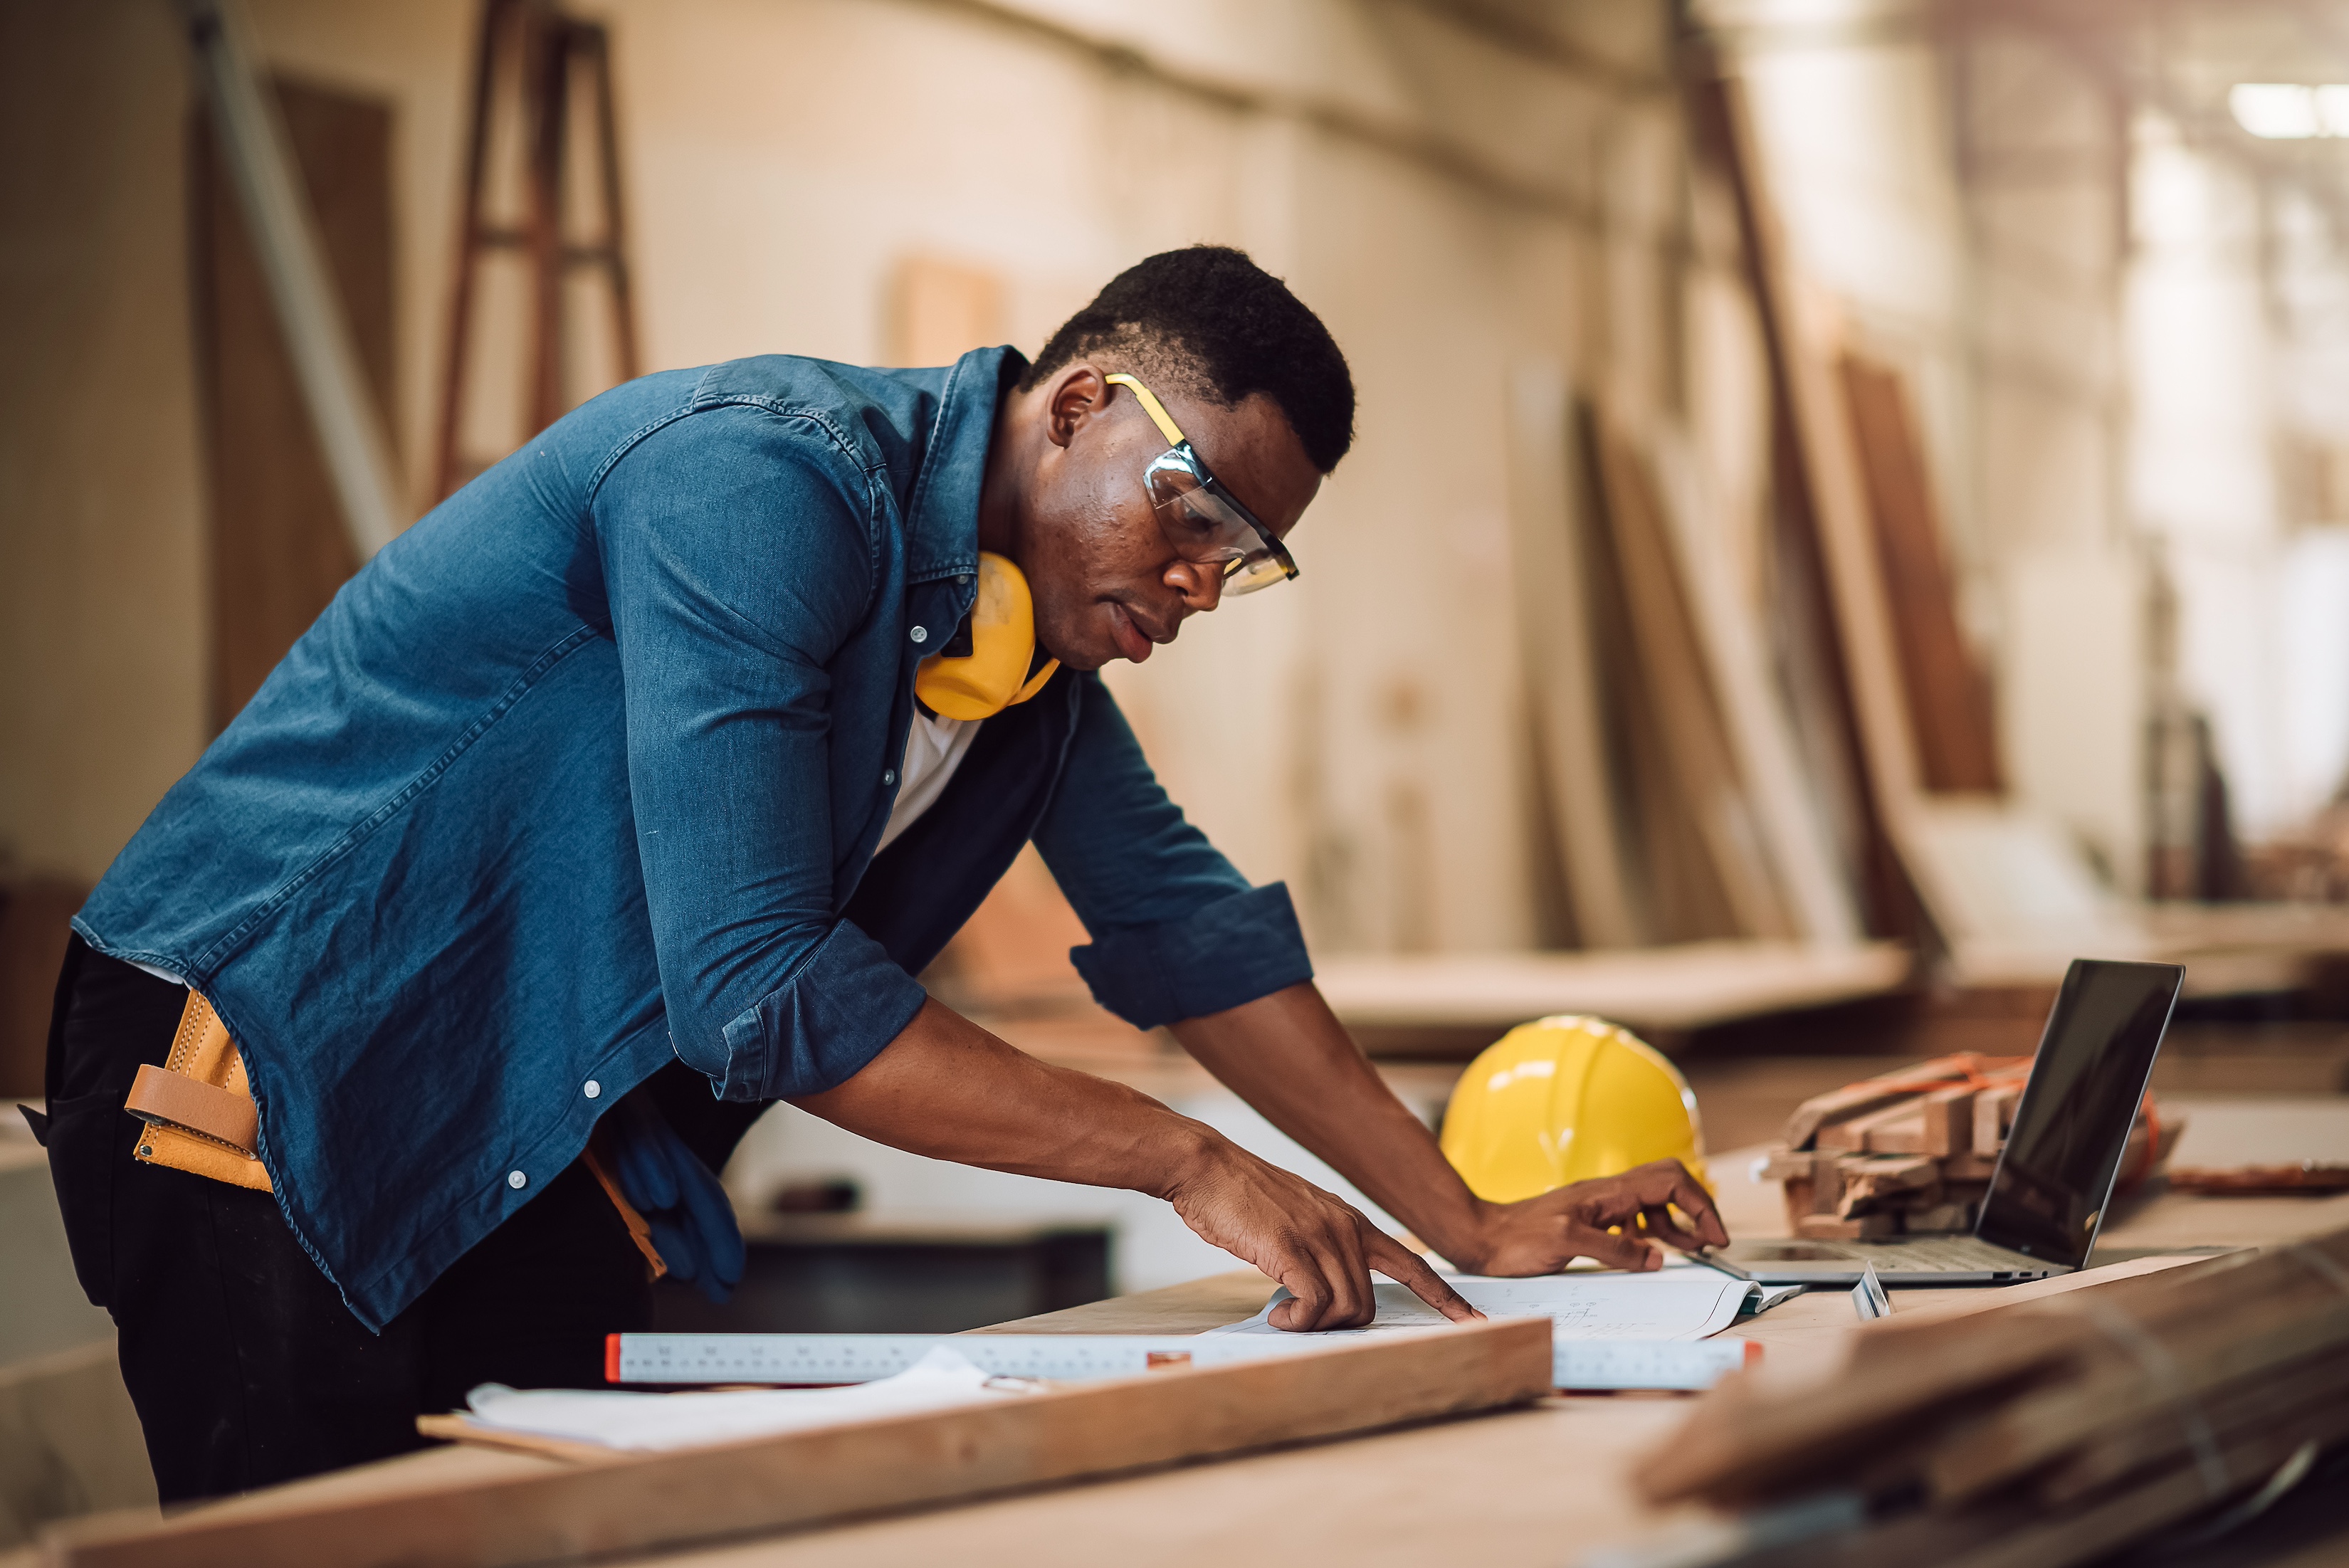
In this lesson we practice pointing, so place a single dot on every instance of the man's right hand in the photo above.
(947, 1089)
(1321, 1248)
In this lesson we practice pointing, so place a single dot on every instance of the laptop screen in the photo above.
(2063, 1150)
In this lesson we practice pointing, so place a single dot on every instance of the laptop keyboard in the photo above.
(1956, 1254)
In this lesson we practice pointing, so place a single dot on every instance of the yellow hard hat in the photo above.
(1565, 1099)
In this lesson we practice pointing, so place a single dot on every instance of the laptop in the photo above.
(2048, 1193)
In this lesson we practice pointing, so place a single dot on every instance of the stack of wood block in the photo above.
(2047, 1432)
(1911, 1151)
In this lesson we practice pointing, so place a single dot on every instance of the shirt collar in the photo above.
(942, 521)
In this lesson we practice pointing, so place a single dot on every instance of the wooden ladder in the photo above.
(533, 59)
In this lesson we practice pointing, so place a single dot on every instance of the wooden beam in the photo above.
(1953, 729)
(1787, 812)
(513, 1511)
(1700, 766)
(1822, 520)
(1548, 515)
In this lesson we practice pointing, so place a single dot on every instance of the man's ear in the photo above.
(1078, 394)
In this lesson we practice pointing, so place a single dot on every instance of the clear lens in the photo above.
(1204, 527)
(1197, 524)
(1247, 576)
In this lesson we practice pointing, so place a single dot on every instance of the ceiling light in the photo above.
(2289, 111)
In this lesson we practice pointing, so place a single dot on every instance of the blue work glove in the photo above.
(692, 1222)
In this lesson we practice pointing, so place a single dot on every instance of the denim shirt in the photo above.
(586, 769)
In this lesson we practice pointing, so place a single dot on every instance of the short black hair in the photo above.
(1213, 322)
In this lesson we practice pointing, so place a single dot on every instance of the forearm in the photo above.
(946, 1089)
(1287, 1056)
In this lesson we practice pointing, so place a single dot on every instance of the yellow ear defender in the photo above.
(1003, 644)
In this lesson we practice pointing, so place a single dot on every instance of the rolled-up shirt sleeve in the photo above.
(1177, 932)
(737, 567)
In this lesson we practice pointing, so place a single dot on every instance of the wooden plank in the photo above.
(1949, 707)
(1801, 330)
(1827, 1183)
(2123, 1379)
(1678, 887)
(1699, 767)
(1848, 695)
(2052, 1538)
(2260, 1324)
(1786, 804)
(1993, 1114)
(1427, 1005)
(2313, 1389)
(638, 1503)
(1854, 1134)
(1870, 1094)
(1949, 1116)
(454, 1429)
(1751, 1436)
(1548, 514)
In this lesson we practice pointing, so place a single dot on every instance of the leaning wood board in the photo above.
(641, 1502)
(1693, 732)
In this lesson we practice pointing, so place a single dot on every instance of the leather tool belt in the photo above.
(200, 1118)
(197, 1105)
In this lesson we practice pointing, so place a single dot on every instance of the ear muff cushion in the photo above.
(1003, 645)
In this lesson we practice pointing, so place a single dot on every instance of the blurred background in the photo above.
(1850, 507)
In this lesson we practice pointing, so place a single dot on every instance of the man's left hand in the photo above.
(1600, 1219)
(691, 1219)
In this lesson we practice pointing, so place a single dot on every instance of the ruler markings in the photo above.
(829, 1358)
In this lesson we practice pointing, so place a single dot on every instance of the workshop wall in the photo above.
(102, 607)
(1463, 192)
(783, 157)
(1957, 191)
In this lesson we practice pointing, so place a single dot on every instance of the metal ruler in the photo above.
(826, 1358)
(1591, 1365)
(815, 1360)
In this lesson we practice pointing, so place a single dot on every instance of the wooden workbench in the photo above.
(1539, 1484)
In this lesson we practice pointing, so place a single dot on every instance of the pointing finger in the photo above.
(1400, 1264)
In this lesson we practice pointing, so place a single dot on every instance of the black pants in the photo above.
(245, 1364)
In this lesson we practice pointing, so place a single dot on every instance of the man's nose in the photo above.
(1201, 584)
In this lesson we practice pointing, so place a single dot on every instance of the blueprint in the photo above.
(1674, 1304)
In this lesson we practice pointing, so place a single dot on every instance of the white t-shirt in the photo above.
(935, 747)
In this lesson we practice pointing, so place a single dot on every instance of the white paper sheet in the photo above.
(1682, 1304)
(618, 1419)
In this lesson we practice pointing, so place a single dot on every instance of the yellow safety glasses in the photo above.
(1204, 521)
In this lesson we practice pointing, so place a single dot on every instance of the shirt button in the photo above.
(920, 633)
(591, 1089)
(889, 778)
(517, 1181)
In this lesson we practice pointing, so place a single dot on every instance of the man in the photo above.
(571, 801)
